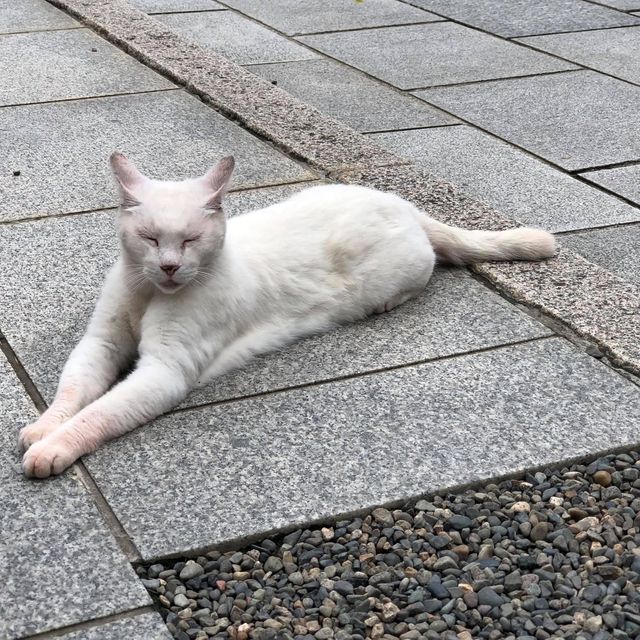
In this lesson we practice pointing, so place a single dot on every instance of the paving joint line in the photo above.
(611, 165)
(604, 227)
(92, 624)
(78, 99)
(562, 33)
(114, 525)
(360, 374)
(400, 130)
(354, 29)
(20, 33)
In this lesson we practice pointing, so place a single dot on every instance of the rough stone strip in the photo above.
(596, 304)
(591, 301)
(298, 128)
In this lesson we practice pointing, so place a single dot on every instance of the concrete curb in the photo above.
(590, 301)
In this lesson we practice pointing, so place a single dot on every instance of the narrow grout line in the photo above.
(113, 209)
(612, 165)
(604, 227)
(361, 374)
(80, 98)
(472, 82)
(356, 29)
(20, 33)
(401, 129)
(607, 6)
(173, 13)
(562, 33)
(92, 624)
(114, 525)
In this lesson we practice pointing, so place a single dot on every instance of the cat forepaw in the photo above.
(34, 432)
(47, 457)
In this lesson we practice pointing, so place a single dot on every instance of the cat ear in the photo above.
(217, 180)
(128, 177)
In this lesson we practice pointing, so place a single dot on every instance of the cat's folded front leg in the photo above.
(151, 389)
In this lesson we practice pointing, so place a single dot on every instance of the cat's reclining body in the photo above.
(193, 296)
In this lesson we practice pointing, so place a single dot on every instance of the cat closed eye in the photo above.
(150, 239)
(188, 240)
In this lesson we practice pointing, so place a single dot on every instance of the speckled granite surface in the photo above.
(60, 565)
(298, 128)
(260, 464)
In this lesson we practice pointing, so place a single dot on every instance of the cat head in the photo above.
(171, 232)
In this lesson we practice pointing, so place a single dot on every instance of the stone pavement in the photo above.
(530, 117)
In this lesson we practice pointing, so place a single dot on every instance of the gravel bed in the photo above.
(554, 554)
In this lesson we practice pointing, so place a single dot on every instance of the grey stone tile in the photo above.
(512, 18)
(148, 626)
(306, 454)
(613, 51)
(624, 181)
(351, 97)
(519, 186)
(432, 54)
(62, 150)
(623, 5)
(44, 309)
(576, 120)
(293, 17)
(60, 564)
(57, 65)
(616, 249)
(236, 37)
(175, 6)
(32, 15)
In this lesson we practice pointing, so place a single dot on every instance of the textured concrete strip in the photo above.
(58, 561)
(78, 64)
(300, 129)
(522, 187)
(625, 181)
(524, 18)
(175, 6)
(616, 249)
(148, 626)
(594, 303)
(256, 465)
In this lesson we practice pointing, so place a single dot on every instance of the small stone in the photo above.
(593, 624)
(459, 522)
(296, 578)
(327, 533)
(602, 477)
(324, 634)
(488, 596)
(446, 562)
(383, 517)
(520, 507)
(539, 531)
(343, 587)
(389, 612)
(180, 600)
(273, 564)
(191, 570)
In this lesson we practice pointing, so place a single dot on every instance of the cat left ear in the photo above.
(129, 179)
(218, 179)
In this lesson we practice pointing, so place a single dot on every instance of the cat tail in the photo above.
(461, 246)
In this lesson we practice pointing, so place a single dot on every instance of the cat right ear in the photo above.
(128, 177)
(217, 180)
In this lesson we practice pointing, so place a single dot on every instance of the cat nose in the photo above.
(169, 269)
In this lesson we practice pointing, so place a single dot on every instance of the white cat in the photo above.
(192, 296)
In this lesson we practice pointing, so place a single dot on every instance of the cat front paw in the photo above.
(49, 456)
(35, 432)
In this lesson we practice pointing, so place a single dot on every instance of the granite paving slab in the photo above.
(313, 453)
(62, 150)
(58, 65)
(623, 5)
(512, 18)
(32, 15)
(175, 6)
(513, 182)
(293, 17)
(60, 563)
(48, 290)
(236, 37)
(432, 54)
(624, 181)
(148, 626)
(613, 51)
(360, 102)
(575, 120)
(616, 249)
